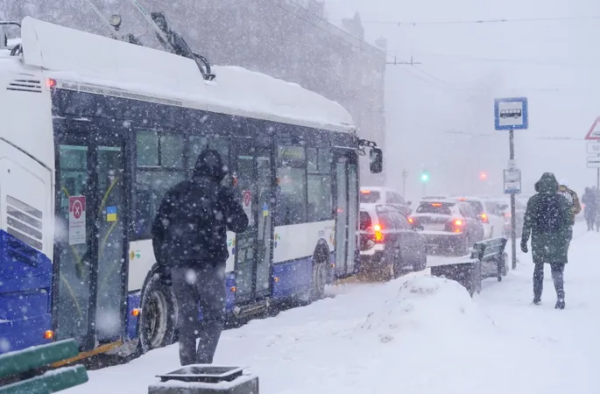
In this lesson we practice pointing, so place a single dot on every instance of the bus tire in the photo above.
(158, 315)
(320, 273)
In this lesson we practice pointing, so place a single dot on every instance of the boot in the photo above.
(537, 300)
(560, 304)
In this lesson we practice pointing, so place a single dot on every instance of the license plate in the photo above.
(435, 227)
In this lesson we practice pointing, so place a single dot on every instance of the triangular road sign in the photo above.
(594, 133)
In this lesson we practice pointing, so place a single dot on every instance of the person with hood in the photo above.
(590, 200)
(573, 201)
(548, 222)
(190, 244)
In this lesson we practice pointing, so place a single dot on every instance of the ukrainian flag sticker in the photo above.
(111, 214)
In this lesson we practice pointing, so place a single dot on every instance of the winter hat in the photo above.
(209, 164)
(547, 184)
(563, 182)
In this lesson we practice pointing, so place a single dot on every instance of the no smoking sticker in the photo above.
(76, 220)
(247, 205)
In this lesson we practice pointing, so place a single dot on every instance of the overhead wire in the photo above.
(484, 21)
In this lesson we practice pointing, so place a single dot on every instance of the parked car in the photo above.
(503, 207)
(491, 218)
(449, 225)
(389, 244)
(384, 195)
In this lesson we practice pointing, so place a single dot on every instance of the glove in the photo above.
(164, 276)
(524, 247)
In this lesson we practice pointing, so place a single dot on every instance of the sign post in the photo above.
(512, 114)
(594, 148)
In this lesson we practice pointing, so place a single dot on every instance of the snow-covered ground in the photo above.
(417, 334)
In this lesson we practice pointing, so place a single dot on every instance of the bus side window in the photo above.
(292, 188)
(159, 167)
(320, 202)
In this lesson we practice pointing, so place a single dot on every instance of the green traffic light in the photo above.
(424, 177)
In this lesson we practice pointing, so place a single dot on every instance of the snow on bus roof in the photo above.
(81, 57)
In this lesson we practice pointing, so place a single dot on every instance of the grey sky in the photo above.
(464, 67)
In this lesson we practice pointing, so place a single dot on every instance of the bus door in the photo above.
(346, 219)
(91, 241)
(253, 249)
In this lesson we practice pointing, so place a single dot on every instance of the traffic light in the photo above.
(483, 175)
(424, 176)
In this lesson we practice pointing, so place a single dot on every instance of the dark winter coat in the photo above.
(548, 221)
(190, 228)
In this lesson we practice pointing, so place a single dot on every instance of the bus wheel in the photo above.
(157, 320)
(319, 279)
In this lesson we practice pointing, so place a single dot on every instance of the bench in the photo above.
(487, 260)
(25, 371)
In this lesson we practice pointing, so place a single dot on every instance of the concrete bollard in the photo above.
(206, 379)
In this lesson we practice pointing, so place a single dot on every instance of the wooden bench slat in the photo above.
(35, 357)
(50, 382)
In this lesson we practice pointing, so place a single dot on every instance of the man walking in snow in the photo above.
(590, 200)
(548, 221)
(573, 200)
(190, 245)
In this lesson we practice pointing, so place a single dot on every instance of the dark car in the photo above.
(389, 244)
(449, 226)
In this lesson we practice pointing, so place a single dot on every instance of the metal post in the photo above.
(404, 176)
(513, 221)
(598, 178)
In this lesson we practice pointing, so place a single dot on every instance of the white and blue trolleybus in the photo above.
(94, 130)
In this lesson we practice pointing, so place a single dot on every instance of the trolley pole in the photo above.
(404, 176)
(513, 219)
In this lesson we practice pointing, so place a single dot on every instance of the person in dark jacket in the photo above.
(189, 237)
(548, 221)
(590, 200)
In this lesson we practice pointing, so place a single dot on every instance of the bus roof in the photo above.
(79, 58)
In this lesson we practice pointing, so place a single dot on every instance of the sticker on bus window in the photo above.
(247, 205)
(76, 220)
(111, 214)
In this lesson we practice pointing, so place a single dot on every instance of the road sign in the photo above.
(593, 148)
(511, 113)
(512, 181)
(593, 161)
(594, 133)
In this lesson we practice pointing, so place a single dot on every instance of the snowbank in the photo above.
(429, 307)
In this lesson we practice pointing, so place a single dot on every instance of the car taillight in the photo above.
(457, 225)
(484, 218)
(378, 233)
(411, 220)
